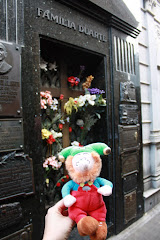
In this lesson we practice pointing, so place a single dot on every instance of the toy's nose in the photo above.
(84, 166)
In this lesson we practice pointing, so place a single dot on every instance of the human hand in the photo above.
(57, 223)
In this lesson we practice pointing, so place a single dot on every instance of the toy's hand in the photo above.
(105, 190)
(69, 200)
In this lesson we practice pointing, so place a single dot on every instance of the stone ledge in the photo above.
(151, 198)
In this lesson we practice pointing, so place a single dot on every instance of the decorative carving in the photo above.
(49, 74)
(128, 114)
(10, 80)
(10, 214)
(4, 66)
(150, 5)
(127, 92)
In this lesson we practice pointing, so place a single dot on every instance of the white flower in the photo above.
(54, 107)
(62, 121)
(75, 143)
(55, 101)
(80, 122)
(80, 101)
(90, 99)
(52, 66)
(68, 119)
(43, 66)
(56, 134)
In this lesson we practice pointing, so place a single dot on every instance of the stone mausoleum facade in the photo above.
(50, 50)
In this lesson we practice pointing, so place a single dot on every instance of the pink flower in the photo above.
(42, 94)
(45, 164)
(43, 104)
(49, 101)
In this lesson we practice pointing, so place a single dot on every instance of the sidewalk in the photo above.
(146, 228)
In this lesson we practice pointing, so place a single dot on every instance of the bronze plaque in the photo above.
(16, 176)
(130, 206)
(128, 114)
(23, 234)
(10, 79)
(10, 214)
(127, 92)
(128, 138)
(11, 134)
(130, 162)
(130, 183)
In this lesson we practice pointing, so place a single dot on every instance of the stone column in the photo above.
(153, 46)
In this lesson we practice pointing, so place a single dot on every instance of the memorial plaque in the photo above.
(23, 234)
(11, 134)
(130, 206)
(16, 176)
(128, 114)
(128, 138)
(127, 92)
(129, 183)
(130, 162)
(10, 214)
(10, 80)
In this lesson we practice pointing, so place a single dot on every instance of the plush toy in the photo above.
(83, 194)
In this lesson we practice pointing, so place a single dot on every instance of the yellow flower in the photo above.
(68, 107)
(45, 133)
(47, 180)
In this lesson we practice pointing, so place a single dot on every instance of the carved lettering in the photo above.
(69, 24)
(11, 135)
(15, 176)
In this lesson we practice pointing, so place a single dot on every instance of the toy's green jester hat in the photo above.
(100, 148)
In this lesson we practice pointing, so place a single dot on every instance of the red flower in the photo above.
(62, 179)
(76, 83)
(81, 128)
(50, 140)
(71, 79)
(58, 184)
(67, 176)
(70, 129)
(61, 126)
(61, 97)
(80, 145)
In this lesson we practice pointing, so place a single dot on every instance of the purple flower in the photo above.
(95, 91)
(77, 79)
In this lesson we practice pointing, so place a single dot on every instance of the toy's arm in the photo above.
(69, 200)
(106, 189)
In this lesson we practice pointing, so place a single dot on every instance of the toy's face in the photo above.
(83, 162)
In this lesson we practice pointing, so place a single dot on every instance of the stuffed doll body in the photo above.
(88, 201)
(83, 194)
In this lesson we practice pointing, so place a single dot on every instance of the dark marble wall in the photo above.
(86, 27)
